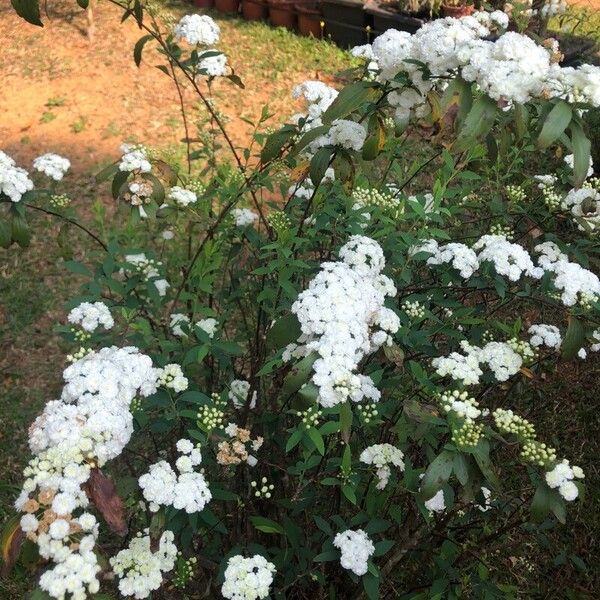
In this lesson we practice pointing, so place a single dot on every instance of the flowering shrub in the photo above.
(313, 394)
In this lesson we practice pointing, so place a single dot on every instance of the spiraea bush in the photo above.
(295, 365)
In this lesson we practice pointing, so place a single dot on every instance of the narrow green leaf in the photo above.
(139, 47)
(319, 163)
(28, 10)
(574, 338)
(349, 99)
(581, 153)
(437, 474)
(557, 121)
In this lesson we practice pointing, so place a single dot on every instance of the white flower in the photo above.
(238, 393)
(382, 455)
(197, 30)
(29, 523)
(561, 477)
(91, 315)
(134, 159)
(570, 162)
(341, 314)
(139, 569)
(185, 446)
(14, 181)
(215, 66)
(182, 196)
(244, 217)
(545, 335)
(59, 529)
(171, 376)
(161, 286)
(347, 134)
(208, 325)
(52, 165)
(178, 322)
(356, 548)
(247, 578)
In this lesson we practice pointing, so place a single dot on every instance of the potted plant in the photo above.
(255, 10)
(457, 8)
(282, 13)
(346, 22)
(310, 20)
(204, 3)
(227, 6)
(405, 15)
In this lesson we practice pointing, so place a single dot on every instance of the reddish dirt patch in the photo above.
(62, 93)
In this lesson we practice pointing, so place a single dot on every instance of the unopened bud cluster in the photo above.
(279, 221)
(262, 489)
(368, 412)
(185, 571)
(515, 193)
(538, 453)
(523, 348)
(59, 201)
(414, 309)
(311, 416)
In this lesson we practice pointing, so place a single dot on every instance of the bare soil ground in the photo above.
(60, 92)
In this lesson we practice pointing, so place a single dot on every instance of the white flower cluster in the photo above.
(356, 548)
(91, 423)
(584, 205)
(148, 269)
(238, 393)
(179, 321)
(383, 455)
(513, 68)
(14, 181)
(134, 159)
(139, 569)
(214, 65)
(545, 335)
(181, 196)
(501, 359)
(553, 7)
(171, 376)
(461, 404)
(347, 134)
(247, 578)
(197, 30)
(90, 315)
(243, 217)
(510, 260)
(318, 96)
(461, 257)
(52, 165)
(561, 477)
(188, 490)
(337, 313)
(575, 283)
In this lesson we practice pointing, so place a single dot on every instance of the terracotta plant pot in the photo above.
(227, 6)
(282, 14)
(457, 11)
(309, 20)
(204, 3)
(255, 10)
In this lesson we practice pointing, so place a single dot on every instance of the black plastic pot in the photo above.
(349, 12)
(346, 36)
(384, 19)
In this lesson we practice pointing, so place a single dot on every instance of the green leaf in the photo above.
(349, 493)
(20, 231)
(557, 121)
(267, 525)
(317, 439)
(28, 10)
(283, 332)
(77, 267)
(293, 440)
(5, 234)
(83, 3)
(319, 163)
(353, 96)
(139, 47)
(298, 375)
(275, 142)
(574, 338)
(581, 153)
(346, 416)
(437, 474)
(371, 585)
(118, 182)
(327, 556)
(541, 505)
(106, 173)
(477, 124)
(482, 458)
